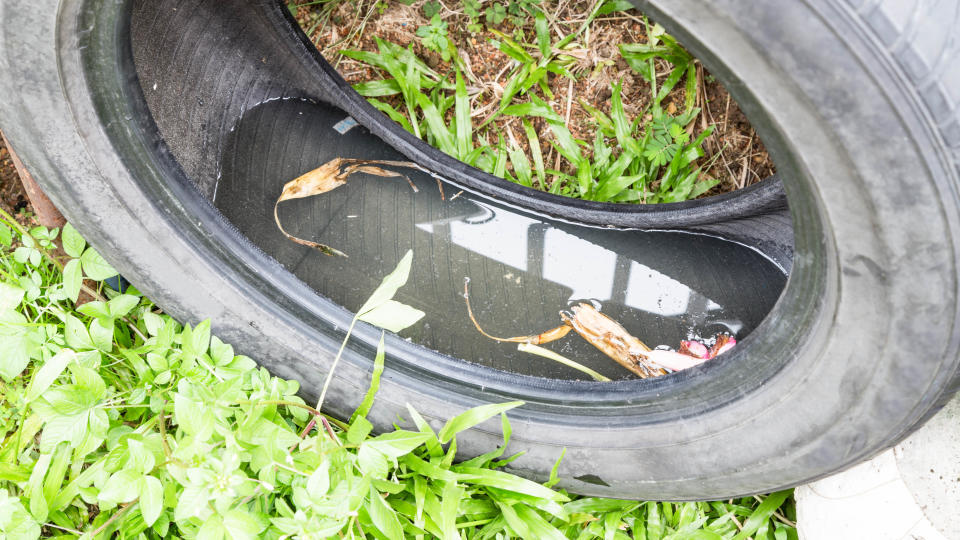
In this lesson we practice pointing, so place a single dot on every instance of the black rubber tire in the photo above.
(857, 103)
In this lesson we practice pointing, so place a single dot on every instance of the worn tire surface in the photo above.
(857, 103)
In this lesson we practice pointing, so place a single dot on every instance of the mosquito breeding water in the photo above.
(523, 268)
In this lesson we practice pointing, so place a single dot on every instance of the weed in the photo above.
(434, 37)
(119, 421)
(651, 158)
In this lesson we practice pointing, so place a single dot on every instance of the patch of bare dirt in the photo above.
(13, 199)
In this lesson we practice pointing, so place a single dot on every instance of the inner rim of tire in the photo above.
(179, 187)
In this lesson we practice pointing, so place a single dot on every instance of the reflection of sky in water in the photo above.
(587, 269)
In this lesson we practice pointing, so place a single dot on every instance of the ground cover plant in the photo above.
(585, 99)
(119, 422)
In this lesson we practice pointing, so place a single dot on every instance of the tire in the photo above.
(855, 100)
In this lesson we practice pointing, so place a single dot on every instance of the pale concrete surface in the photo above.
(911, 492)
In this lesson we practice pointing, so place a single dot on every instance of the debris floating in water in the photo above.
(330, 176)
(613, 340)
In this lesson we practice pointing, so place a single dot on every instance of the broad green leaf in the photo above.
(48, 373)
(398, 443)
(611, 6)
(140, 457)
(123, 486)
(543, 34)
(151, 499)
(199, 340)
(388, 287)
(122, 304)
(240, 524)
(319, 482)
(359, 429)
(73, 243)
(211, 529)
(101, 336)
(72, 279)
(15, 522)
(449, 503)
(18, 343)
(10, 296)
(538, 527)
(193, 417)
(535, 107)
(372, 462)
(392, 315)
(392, 113)
(95, 266)
(383, 517)
(472, 417)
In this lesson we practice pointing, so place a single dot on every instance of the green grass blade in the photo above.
(534, 107)
(671, 81)
(462, 115)
(472, 417)
(763, 513)
(436, 126)
(521, 165)
(535, 151)
(394, 115)
(565, 143)
(690, 92)
(367, 402)
(380, 88)
(543, 34)
(508, 482)
(500, 163)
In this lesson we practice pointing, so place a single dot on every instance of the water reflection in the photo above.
(662, 286)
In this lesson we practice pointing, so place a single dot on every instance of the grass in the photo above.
(652, 157)
(119, 422)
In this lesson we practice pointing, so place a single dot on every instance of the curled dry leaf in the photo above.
(614, 341)
(599, 330)
(328, 177)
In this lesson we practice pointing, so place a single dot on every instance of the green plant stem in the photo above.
(339, 423)
(123, 510)
(333, 367)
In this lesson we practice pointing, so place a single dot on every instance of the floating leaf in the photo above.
(328, 177)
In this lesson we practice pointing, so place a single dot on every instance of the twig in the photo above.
(123, 510)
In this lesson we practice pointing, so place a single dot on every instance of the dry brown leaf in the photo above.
(330, 176)
(599, 330)
(612, 338)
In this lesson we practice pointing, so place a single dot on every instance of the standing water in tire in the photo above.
(662, 286)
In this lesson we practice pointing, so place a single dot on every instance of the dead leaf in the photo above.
(330, 176)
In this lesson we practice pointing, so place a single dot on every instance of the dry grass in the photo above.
(736, 155)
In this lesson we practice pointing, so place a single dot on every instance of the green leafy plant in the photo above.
(628, 160)
(118, 422)
(434, 37)
(431, 8)
(472, 9)
(495, 13)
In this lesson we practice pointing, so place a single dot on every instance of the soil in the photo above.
(734, 152)
(13, 199)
